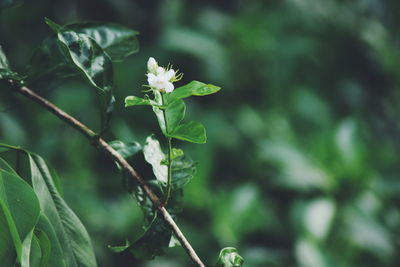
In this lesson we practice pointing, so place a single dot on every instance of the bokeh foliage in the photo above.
(300, 165)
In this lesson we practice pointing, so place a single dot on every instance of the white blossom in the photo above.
(160, 78)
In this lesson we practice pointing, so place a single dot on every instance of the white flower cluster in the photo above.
(160, 78)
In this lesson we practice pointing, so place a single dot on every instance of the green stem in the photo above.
(169, 181)
(169, 141)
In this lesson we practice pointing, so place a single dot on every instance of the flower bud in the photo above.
(152, 65)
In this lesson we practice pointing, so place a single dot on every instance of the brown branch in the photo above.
(99, 142)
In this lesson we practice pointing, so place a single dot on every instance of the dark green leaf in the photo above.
(36, 254)
(54, 26)
(174, 114)
(191, 131)
(47, 59)
(229, 257)
(154, 155)
(19, 212)
(45, 247)
(116, 40)
(126, 150)
(195, 88)
(5, 71)
(10, 3)
(154, 242)
(183, 170)
(90, 58)
(3, 60)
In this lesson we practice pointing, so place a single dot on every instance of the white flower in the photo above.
(152, 65)
(159, 78)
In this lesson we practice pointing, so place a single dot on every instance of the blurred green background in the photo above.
(301, 164)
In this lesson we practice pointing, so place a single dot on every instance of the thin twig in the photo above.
(99, 142)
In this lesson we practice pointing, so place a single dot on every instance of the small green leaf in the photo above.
(176, 152)
(118, 249)
(183, 170)
(5, 71)
(195, 88)
(117, 41)
(191, 131)
(89, 58)
(229, 257)
(54, 26)
(174, 114)
(136, 101)
(154, 155)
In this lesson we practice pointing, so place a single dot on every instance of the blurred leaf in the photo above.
(89, 57)
(176, 152)
(191, 131)
(195, 88)
(54, 26)
(154, 155)
(174, 114)
(183, 170)
(117, 41)
(136, 101)
(309, 254)
(118, 249)
(229, 257)
(10, 3)
(126, 150)
(154, 242)
(19, 213)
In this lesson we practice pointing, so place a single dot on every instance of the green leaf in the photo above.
(176, 152)
(154, 242)
(191, 131)
(10, 3)
(136, 101)
(48, 59)
(89, 58)
(36, 253)
(70, 243)
(118, 249)
(117, 41)
(183, 170)
(54, 26)
(126, 150)
(195, 88)
(229, 257)
(5, 71)
(71, 234)
(56, 256)
(19, 212)
(154, 155)
(3, 60)
(174, 114)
